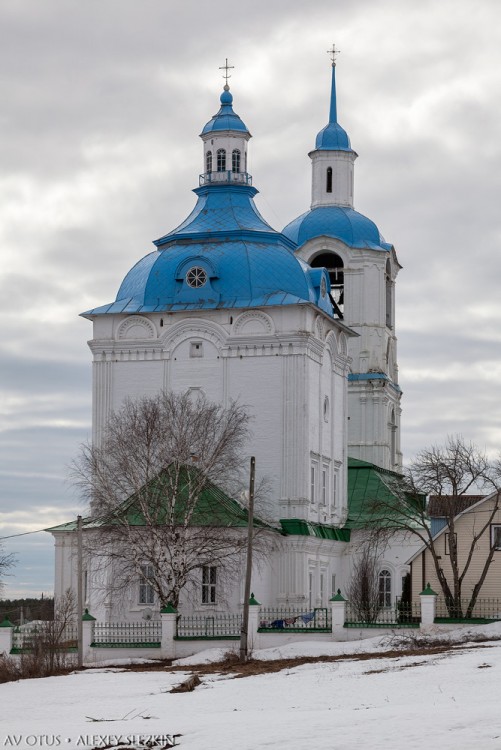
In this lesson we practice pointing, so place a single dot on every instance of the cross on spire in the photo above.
(333, 53)
(226, 68)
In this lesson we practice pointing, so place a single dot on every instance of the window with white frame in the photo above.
(333, 585)
(209, 161)
(384, 588)
(235, 160)
(146, 590)
(313, 482)
(496, 536)
(322, 589)
(221, 160)
(325, 485)
(209, 581)
(196, 349)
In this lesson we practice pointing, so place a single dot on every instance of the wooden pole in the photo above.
(79, 591)
(248, 571)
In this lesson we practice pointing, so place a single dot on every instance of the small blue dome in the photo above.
(340, 222)
(225, 119)
(333, 138)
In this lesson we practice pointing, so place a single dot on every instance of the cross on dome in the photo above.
(333, 53)
(226, 75)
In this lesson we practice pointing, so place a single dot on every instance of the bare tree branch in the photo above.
(160, 488)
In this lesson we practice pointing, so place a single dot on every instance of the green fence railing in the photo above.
(218, 626)
(295, 619)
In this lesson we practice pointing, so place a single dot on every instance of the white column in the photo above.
(169, 616)
(338, 612)
(428, 599)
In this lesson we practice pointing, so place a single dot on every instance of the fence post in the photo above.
(6, 630)
(254, 617)
(87, 635)
(428, 599)
(338, 612)
(168, 616)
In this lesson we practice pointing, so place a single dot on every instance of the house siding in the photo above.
(423, 568)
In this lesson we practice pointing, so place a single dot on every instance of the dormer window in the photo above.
(221, 160)
(328, 185)
(208, 160)
(235, 160)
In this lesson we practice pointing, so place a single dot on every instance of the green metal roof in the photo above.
(369, 486)
(212, 507)
(300, 527)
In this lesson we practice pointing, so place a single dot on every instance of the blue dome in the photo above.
(342, 223)
(223, 256)
(333, 138)
(225, 119)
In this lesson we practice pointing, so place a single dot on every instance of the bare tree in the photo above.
(7, 561)
(160, 486)
(363, 589)
(448, 473)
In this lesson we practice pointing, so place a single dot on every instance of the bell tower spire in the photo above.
(333, 157)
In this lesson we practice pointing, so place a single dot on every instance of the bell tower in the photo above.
(362, 269)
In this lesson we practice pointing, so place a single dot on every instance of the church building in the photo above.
(298, 325)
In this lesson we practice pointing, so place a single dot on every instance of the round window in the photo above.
(323, 287)
(196, 277)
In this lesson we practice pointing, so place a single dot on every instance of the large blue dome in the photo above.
(339, 222)
(223, 256)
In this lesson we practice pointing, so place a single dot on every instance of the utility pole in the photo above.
(248, 571)
(79, 591)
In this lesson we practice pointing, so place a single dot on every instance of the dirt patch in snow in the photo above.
(232, 667)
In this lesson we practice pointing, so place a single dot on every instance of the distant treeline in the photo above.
(25, 610)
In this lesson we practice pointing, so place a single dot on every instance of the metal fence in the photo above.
(401, 615)
(209, 626)
(50, 634)
(294, 619)
(142, 634)
(484, 610)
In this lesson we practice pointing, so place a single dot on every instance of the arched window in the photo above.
(208, 162)
(334, 265)
(384, 579)
(235, 161)
(393, 439)
(328, 186)
(221, 160)
(389, 295)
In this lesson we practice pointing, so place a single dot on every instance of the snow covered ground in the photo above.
(448, 700)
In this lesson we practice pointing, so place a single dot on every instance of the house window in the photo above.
(322, 589)
(235, 160)
(209, 576)
(221, 160)
(196, 349)
(385, 588)
(496, 536)
(209, 161)
(447, 549)
(146, 591)
(329, 180)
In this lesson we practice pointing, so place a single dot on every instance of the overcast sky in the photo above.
(100, 108)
